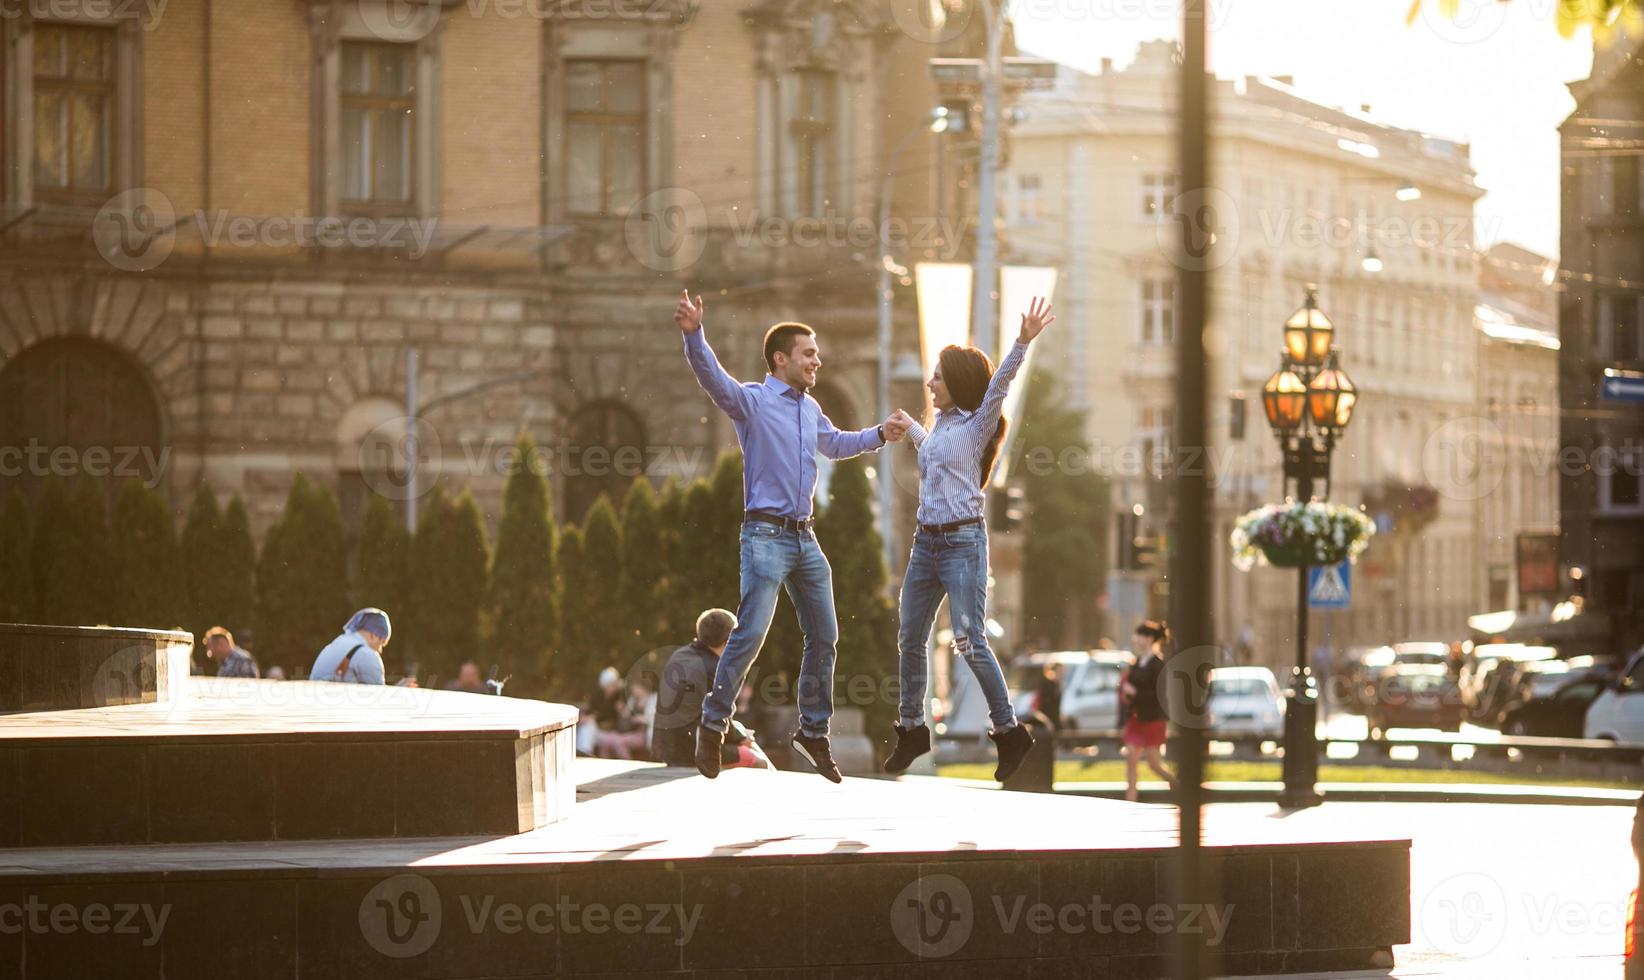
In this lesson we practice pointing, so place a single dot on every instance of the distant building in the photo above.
(1601, 360)
(1517, 321)
(224, 253)
(1301, 193)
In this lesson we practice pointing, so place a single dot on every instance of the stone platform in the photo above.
(659, 872)
(250, 760)
(52, 668)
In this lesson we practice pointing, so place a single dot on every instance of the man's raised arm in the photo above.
(724, 390)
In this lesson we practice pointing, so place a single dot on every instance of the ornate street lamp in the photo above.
(1309, 402)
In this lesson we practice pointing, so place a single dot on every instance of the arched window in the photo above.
(605, 451)
(72, 407)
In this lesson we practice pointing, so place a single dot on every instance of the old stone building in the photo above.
(226, 228)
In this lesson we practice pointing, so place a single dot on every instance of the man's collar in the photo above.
(781, 387)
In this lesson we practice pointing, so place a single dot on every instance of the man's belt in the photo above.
(786, 523)
(946, 528)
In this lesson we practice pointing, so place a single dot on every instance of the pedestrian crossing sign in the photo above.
(1330, 586)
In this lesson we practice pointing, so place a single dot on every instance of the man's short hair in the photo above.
(781, 338)
(217, 631)
(713, 628)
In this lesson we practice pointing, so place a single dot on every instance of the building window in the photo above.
(1027, 199)
(1158, 190)
(376, 114)
(606, 453)
(378, 121)
(605, 129)
(1158, 312)
(1620, 473)
(812, 133)
(1619, 327)
(73, 106)
(80, 394)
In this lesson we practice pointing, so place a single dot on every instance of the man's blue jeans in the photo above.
(954, 564)
(773, 558)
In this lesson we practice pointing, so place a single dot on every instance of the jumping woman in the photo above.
(950, 549)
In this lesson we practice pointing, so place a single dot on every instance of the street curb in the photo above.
(1377, 793)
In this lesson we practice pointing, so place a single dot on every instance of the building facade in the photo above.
(224, 236)
(1517, 321)
(1302, 194)
(1601, 360)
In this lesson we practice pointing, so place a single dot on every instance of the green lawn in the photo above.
(1113, 771)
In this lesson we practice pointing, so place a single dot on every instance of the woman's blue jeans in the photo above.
(955, 565)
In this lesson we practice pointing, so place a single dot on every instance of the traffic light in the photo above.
(1236, 416)
(1009, 508)
(1126, 536)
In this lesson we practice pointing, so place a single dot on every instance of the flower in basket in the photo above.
(1292, 534)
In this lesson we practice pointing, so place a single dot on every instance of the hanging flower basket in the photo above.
(1290, 535)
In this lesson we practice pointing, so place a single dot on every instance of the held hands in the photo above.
(1035, 320)
(688, 315)
(896, 426)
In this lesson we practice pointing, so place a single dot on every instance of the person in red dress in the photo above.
(1146, 725)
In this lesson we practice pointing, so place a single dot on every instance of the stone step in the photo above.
(228, 759)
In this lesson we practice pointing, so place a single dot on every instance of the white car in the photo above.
(1246, 701)
(1617, 714)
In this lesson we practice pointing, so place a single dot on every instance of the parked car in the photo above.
(1617, 714)
(1245, 701)
(1090, 692)
(1415, 696)
(1558, 715)
(1367, 674)
(1490, 681)
(1426, 652)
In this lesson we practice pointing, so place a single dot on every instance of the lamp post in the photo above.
(1309, 402)
(938, 122)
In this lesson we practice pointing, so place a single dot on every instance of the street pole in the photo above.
(1301, 712)
(411, 440)
(1190, 553)
(983, 319)
(887, 457)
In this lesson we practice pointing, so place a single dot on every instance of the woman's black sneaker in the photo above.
(911, 743)
(817, 753)
(1013, 745)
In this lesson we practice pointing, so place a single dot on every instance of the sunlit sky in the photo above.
(1495, 77)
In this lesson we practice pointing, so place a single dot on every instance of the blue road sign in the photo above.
(1330, 586)
(1622, 387)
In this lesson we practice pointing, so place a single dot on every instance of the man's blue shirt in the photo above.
(780, 429)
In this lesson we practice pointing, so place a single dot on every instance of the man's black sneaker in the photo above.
(1013, 745)
(817, 753)
(708, 745)
(911, 743)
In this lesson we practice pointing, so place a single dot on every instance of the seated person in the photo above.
(685, 681)
(619, 734)
(355, 657)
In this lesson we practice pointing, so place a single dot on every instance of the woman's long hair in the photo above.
(966, 371)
